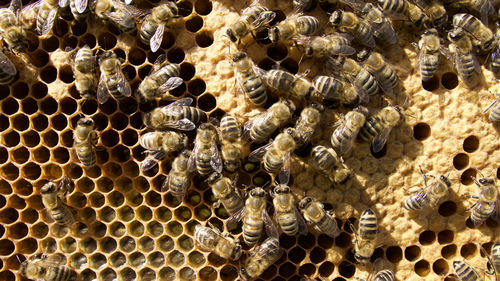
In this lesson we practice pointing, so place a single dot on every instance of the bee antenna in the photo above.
(479, 172)
(475, 180)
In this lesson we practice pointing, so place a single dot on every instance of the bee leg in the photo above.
(216, 204)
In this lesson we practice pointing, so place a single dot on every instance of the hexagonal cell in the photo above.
(78, 261)
(412, 253)
(174, 228)
(185, 243)
(97, 261)
(67, 245)
(146, 244)
(137, 259)
(187, 274)
(127, 244)
(135, 228)
(422, 268)
(196, 259)
(449, 251)
(165, 243)
(87, 245)
(117, 259)
(471, 144)
(107, 244)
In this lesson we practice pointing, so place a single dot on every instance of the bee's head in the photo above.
(231, 35)
(305, 202)
(336, 17)
(239, 56)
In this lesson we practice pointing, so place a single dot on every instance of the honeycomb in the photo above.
(127, 229)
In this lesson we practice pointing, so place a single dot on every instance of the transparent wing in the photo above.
(256, 155)
(236, 217)
(120, 19)
(246, 129)
(354, 4)
(385, 27)
(271, 229)
(152, 159)
(6, 65)
(215, 160)
(346, 143)
(164, 186)
(158, 63)
(496, 212)
(63, 3)
(284, 173)
(81, 5)
(192, 157)
(485, 10)
(47, 27)
(380, 140)
(156, 39)
(183, 124)
(15, 5)
(264, 18)
(300, 222)
(179, 102)
(123, 86)
(102, 90)
(172, 83)
(363, 95)
(384, 84)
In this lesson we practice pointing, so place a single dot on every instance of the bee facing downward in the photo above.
(112, 81)
(85, 139)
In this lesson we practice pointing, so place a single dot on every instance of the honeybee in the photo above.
(261, 258)
(252, 18)
(435, 11)
(321, 47)
(430, 195)
(286, 214)
(112, 81)
(487, 201)
(249, 79)
(495, 111)
(41, 267)
(302, 5)
(226, 193)
(163, 77)
(85, 139)
(495, 57)
(428, 57)
(375, 63)
(120, 14)
(212, 240)
(465, 272)
(291, 85)
(350, 23)
(79, 9)
(314, 213)
(383, 275)
(331, 89)
(255, 217)
(178, 180)
(230, 133)
(177, 115)
(53, 198)
(365, 236)
(10, 28)
(484, 39)
(293, 26)
(158, 144)
(205, 156)
(327, 160)
(309, 119)
(46, 16)
(343, 137)
(276, 155)
(406, 8)
(8, 70)
(483, 7)
(83, 65)
(495, 257)
(465, 60)
(378, 126)
(261, 127)
(153, 26)
(363, 81)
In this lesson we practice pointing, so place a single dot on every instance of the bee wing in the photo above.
(183, 124)
(155, 41)
(380, 140)
(271, 229)
(264, 18)
(49, 22)
(152, 159)
(63, 3)
(192, 158)
(123, 86)
(102, 90)
(179, 102)
(495, 215)
(284, 173)
(6, 65)
(164, 186)
(485, 10)
(172, 83)
(346, 143)
(215, 160)
(364, 97)
(236, 217)
(15, 5)
(256, 155)
(300, 222)
(120, 19)
(33, 7)
(385, 27)
(81, 5)
(354, 4)
(68, 218)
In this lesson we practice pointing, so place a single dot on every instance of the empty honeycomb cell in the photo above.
(129, 72)
(184, 214)
(39, 230)
(309, 269)
(59, 230)
(48, 244)
(427, 237)
(10, 106)
(48, 74)
(204, 38)
(107, 244)
(78, 261)
(106, 41)
(29, 106)
(343, 240)
(120, 153)
(67, 245)
(197, 87)
(50, 44)
(203, 7)
(128, 105)
(134, 198)
(267, 64)
(144, 213)
(39, 123)
(287, 269)
(29, 215)
(196, 259)
(79, 230)
(447, 208)
(461, 161)
(7, 275)
(137, 259)
(6, 247)
(88, 107)
(107, 274)
(215, 260)
(20, 90)
(440, 267)
(120, 54)
(20, 155)
(4, 91)
(98, 229)
(113, 170)
(69, 43)
(174, 228)
(117, 259)
(87, 214)
(449, 80)
(422, 268)
(5, 187)
(58, 122)
(141, 184)
(165, 243)
(306, 241)
(4, 122)
(117, 229)
(228, 272)
(85, 185)
(277, 52)
(136, 228)
(10, 172)
(187, 274)
(185, 243)
(16, 202)
(185, 8)
(17, 231)
(412, 253)
(467, 175)
(136, 56)
(471, 144)
(4, 155)
(394, 254)
(3, 201)
(78, 200)
(468, 250)
(129, 137)
(31, 171)
(449, 251)
(146, 244)
(202, 213)
(104, 184)
(153, 199)
(97, 261)
(109, 138)
(445, 237)
(109, 107)
(175, 55)
(67, 138)
(126, 214)
(50, 138)
(60, 155)
(95, 171)
(115, 198)
(66, 74)
(39, 58)
(87, 39)
(147, 274)
(154, 228)
(127, 274)
(88, 275)
(127, 244)
(194, 23)
(291, 65)
(163, 214)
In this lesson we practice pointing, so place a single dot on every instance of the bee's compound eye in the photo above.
(252, 193)
(483, 181)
